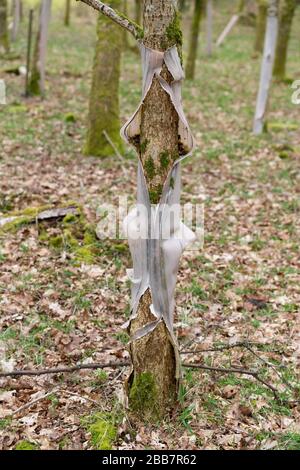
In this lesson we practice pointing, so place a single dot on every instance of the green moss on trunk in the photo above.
(104, 95)
(143, 396)
(285, 23)
(194, 39)
(4, 38)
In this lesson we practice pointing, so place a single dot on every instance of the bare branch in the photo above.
(117, 17)
(60, 370)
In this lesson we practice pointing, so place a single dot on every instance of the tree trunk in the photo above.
(104, 119)
(4, 39)
(267, 66)
(67, 13)
(38, 70)
(16, 18)
(153, 384)
(194, 39)
(285, 25)
(209, 27)
(261, 19)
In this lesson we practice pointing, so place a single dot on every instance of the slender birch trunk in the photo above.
(4, 38)
(209, 27)
(194, 39)
(67, 13)
(38, 70)
(267, 66)
(285, 24)
(262, 7)
(104, 116)
(16, 19)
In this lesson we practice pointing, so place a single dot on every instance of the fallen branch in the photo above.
(33, 402)
(94, 366)
(60, 370)
(252, 373)
(117, 17)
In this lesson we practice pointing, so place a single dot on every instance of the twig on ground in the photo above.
(33, 402)
(223, 370)
(60, 370)
(94, 366)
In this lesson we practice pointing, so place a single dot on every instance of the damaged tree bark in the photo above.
(160, 134)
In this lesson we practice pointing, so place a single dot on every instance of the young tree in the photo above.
(261, 18)
(4, 39)
(285, 24)
(104, 116)
(194, 39)
(38, 70)
(267, 66)
(67, 13)
(161, 136)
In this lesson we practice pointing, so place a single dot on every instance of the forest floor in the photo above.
(64, 295)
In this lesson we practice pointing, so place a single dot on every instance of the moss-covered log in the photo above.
(104, 95)
(152, 388)
(261, 21)
(287, 11)
(4, 38)
(194, 39)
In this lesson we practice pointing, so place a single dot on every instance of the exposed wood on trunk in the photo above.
(267, 66)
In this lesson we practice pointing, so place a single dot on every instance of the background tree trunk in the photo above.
(262, 7)
(4, 40)
(153, 384)
(194, 39)
(138, 11)
(209, 27)
(67, 13)
(266, 66)
(285, 24)
(16, 18)
(38, 70)
(104, 119)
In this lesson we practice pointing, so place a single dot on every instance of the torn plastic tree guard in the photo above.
(156, 235)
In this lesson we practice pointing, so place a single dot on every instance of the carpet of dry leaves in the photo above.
(243, 286)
